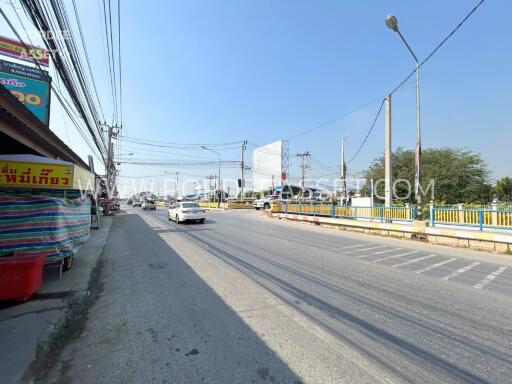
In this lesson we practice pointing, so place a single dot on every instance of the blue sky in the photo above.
(222, 71)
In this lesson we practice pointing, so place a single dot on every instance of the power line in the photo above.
(71, 72)
(432, 53)
(119, 60)
(110, 66)
(401, 84)
(184, 163)
(368, 134)
(87, 57)
(438, 46)
(183, 146)
(57, 92)
(328, 122)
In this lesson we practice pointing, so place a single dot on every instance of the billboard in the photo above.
(16, 49)
(267, 166)
(29, 85)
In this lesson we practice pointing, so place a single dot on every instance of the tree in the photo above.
(457, 175)
(503, 189)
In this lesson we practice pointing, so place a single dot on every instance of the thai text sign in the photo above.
(34, 175)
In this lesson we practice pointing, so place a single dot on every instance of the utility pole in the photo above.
(242, 180)
(220, 159)
(372, 193)
(388, 166)
(343, 173)
(112, 132)
(210, 178)
(215, 188)
(303, 169)
(177, 185)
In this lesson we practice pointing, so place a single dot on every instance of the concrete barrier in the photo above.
(486, 241)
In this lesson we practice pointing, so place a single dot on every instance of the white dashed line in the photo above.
(386, 251)
(490, 277)
(368, 249)
(435, 265)
(414, 260)
(351, 246)
(460, 270)
(394, 256)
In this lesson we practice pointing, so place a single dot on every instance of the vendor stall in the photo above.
(45, 214)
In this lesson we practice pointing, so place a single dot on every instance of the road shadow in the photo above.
(271, 277)
(156, 320)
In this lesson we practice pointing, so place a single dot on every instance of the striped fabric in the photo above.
(52, 226)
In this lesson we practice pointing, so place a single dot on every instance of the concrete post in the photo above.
(432, 218)
(461, 213)
(494, 214)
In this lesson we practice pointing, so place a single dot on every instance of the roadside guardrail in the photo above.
(481, 217)
(227, 205)
(380, 213)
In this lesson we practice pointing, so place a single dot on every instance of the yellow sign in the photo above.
(35, 175)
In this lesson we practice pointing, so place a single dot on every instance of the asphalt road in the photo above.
(247, 299)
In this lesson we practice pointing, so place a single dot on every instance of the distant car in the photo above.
(265, 202)
(137, 203)
(130, 202)
(148, 204)
(185, 211)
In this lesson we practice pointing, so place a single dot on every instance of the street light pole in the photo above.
(392, 23)
(218, 154)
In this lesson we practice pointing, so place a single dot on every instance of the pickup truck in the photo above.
(265, 202)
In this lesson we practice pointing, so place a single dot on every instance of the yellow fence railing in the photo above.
(380, 213)
(228, 205)
(212, 205)
(482, 218)
(239, 205)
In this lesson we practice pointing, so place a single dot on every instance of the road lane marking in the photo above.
(351, 246)
(387, 250)
(394, 256)
(490, 277)
(368, 249)
(414, 260)
(435, 265)
(460, 270)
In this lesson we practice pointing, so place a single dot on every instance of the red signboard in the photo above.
(19, 51)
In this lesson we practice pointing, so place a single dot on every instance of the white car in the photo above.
(148, 204)
(265, 202)
(186, 210)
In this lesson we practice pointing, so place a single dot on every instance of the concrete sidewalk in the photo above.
(28, 329)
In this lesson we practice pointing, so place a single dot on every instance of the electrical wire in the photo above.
(433, 52)
(67, 63)
(69, 111)
(87, 58)
(368, 134)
